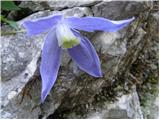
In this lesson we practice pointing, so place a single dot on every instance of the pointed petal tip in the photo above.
(50, 63)
(43, 97)
(102, 24)
(131, 19)
(99, 74)
(86, 57)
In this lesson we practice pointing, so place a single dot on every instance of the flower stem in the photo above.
(12, 32)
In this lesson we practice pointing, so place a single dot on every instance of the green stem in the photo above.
(12, 32)
(3, 19)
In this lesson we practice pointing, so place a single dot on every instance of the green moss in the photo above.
(154, 80)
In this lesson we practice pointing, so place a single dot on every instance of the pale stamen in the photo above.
(66, 38)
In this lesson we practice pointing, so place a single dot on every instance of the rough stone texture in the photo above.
(121, 109)
(148, 78)
(77, 11)
(10, 89)
(111, 11)
(75, 93)
(110, 43)
(15, 55)
(57, 4)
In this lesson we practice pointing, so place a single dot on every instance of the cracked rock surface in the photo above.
(129, 61)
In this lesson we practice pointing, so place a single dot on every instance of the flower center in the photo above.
(66, 38)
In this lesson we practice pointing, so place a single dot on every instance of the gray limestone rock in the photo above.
(110, 43)
(32, 5)
(125, 9)
(149, 90)
(121, 109)
(17, 52)
(57, 4)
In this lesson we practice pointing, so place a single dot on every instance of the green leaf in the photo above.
(13, 24)
(10, 22)
(9, 5)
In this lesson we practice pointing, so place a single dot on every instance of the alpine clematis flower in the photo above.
(63, 34)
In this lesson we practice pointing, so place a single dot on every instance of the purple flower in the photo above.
(63, 34)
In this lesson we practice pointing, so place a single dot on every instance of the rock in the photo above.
(11, 89)
(56, 4)
(34, 6)
(121, 109)
(12, 94)
(148, 75)
(110, 43)
(77, 11)
(17, 15)
(124, 10)
(15, 55)
(149, 104)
